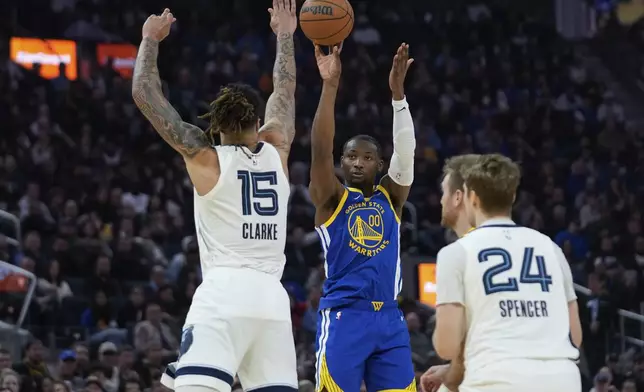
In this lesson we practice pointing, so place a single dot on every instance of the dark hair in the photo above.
(235, 109)
(365, 138)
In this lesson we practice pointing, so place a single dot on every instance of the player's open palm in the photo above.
(399, 69)
(283, 16)
(157, 27)
(329, 65)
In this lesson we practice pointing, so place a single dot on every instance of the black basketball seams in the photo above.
(334, 34)
(346, 11)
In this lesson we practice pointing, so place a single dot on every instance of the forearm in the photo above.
(280, 108)
(148, 96)
(401, 168)
(323, 128)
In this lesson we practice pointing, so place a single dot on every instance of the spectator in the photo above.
(421, 345)
(9, 380)
(132, 312)
(154, 332)
(103, 280)
(32, 368)
(108, 359)
(5, 359)
(82, 360)
(67, 368)
(99, 319)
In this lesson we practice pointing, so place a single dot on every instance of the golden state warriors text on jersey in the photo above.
(362, 252)
(366, 227)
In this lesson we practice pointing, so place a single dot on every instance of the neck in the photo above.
(367, 190)
(248, 139)
(462, 225)
(482, 217)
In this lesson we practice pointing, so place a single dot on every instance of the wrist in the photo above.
(399, 102)
(398, 96)
(331, 84)
(150, 39)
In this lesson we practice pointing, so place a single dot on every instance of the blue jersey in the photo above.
(361, 243)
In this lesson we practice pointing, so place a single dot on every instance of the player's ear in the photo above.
(381, 164)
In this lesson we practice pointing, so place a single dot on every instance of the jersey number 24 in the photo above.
(254, 196)
(511, 284)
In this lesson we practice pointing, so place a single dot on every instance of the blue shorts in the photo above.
(358, 343)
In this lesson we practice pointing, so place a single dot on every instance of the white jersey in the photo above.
(241, 222)
(515, 284)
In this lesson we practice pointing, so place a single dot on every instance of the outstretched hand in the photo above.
(283, 16)
(398, 72)
(329, 65)
(157, 27)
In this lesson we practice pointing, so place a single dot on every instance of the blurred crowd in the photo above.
(106, 207)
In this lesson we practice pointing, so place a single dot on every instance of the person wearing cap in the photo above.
(108, 357)
(67, 366)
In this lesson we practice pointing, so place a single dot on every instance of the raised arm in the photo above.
(279, 121)
(186, 139)
(325, 188)
(401, 168)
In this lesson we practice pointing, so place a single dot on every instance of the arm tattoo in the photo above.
(281, 103)
(186, 138)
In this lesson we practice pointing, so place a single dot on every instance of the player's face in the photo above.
(361, 163)
(451, 203)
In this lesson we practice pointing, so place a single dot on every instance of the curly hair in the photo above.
(236, 109)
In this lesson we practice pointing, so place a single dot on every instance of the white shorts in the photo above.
(524, 376)
(239, 324)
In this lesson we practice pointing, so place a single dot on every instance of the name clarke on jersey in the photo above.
(259, 231)
(523, 308)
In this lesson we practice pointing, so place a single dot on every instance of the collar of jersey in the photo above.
(375, 188)
(498, 222)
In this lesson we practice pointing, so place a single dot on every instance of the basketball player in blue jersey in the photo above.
(361, 331)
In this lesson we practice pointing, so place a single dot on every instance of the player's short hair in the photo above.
(454, 167)
(495, 180)
(365, 138)
(236, 109)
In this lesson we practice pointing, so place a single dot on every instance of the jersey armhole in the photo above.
(337, 210)
(391, 204)
(222, 170)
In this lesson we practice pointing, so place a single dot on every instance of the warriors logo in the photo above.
(366, 227)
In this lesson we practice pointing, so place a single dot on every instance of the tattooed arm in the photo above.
(188, 140)
(279, 121)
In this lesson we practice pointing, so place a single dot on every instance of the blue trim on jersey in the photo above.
(507, 225)
(196, 370)
(362, 252)
(273, 388)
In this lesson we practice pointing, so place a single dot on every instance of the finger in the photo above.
(341, 46)
(283, 5)
(318, 51)
(170, 17)
(270, 11)
(275, 4)
(293, 7)
(165, 11)
(409, 63)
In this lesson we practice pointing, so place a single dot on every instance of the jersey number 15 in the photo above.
(511, 284)
(253, 194)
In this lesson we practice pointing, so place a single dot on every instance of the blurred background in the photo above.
(99, 260)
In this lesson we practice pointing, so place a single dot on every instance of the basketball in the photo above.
(326, 22)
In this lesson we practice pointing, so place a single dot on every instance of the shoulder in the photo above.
(452, 253)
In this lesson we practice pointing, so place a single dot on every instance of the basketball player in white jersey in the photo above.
(446, 378)
(506, 292)
(239, 322)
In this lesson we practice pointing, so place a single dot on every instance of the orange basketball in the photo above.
(326, 22)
